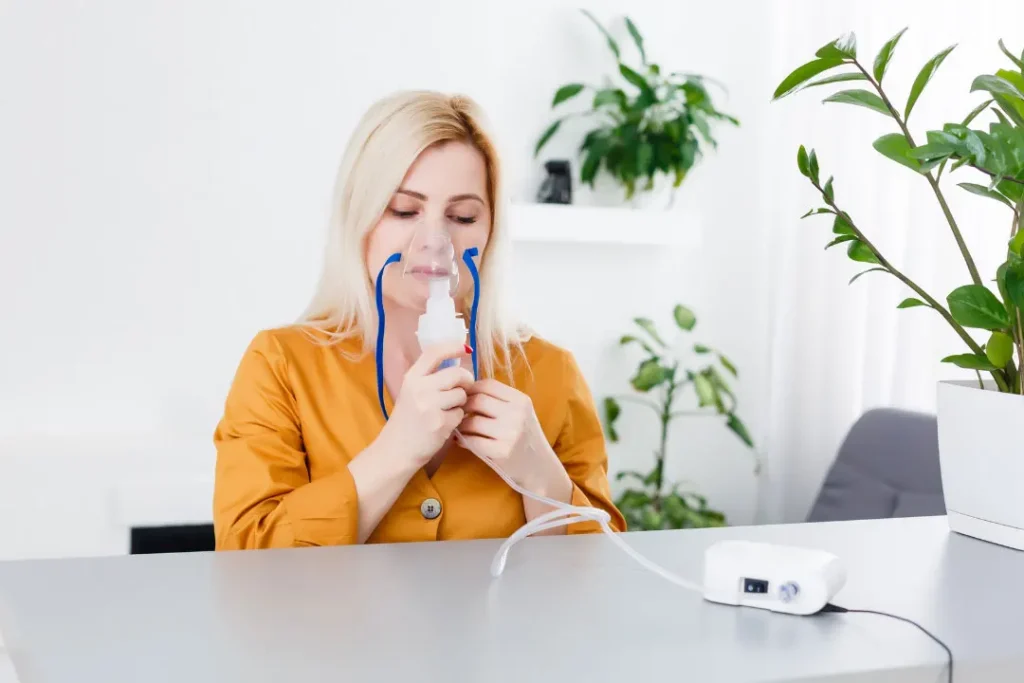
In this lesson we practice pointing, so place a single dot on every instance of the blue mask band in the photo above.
(394, 258)
(467, 258)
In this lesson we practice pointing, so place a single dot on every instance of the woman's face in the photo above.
(444, 193)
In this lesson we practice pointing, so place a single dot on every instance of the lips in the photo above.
(428, 272)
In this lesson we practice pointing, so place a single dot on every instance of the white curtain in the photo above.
(833, 349)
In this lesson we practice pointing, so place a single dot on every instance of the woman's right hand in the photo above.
(429, 405)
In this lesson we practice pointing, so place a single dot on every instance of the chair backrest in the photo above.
(888, 466)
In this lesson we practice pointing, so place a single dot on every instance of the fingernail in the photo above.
(468, 348)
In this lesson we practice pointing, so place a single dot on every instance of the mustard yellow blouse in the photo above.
(298, 412)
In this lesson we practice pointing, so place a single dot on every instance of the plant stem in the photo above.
(688, 413)
(1020, 354)
(997, 375)
(964, 251)
(990, 174)
(666, 418)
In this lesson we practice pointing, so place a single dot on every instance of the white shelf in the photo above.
(579, 224)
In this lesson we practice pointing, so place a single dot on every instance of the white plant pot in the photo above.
(981, 452)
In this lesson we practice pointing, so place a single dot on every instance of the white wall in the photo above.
(165, 170)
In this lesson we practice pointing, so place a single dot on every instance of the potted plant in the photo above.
(980, 423)
(647, 133)
(655, 503)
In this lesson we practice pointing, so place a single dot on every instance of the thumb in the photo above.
(436, 354)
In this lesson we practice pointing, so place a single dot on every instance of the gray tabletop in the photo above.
(566, 609)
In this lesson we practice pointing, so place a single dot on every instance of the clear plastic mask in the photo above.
(430, 258)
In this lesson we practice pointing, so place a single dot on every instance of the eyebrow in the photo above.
(455, 198)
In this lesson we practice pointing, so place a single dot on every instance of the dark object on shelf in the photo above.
(172, 539)
(557, 187)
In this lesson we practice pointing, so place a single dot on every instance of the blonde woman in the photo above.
(311, 449)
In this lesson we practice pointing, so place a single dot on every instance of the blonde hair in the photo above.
(388, 139)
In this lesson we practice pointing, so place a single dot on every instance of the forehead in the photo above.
(446, 169)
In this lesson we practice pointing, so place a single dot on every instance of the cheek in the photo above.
(381, 242)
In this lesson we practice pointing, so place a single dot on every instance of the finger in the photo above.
(436, 354)
(484, 404)
(492, 387)
(449, 378)
(452, 398)
(479, 425)
(452, 419)
(479, 446)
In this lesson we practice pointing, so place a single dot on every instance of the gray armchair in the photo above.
(888, 466)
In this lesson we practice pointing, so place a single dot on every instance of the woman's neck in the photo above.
(400, 325)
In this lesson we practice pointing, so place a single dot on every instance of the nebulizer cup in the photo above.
(431, 258)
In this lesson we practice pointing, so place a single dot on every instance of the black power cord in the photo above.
(949, 653)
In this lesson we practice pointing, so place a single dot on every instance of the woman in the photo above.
(311, 449)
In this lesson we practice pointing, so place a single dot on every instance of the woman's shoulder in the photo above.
(301, 342)
(542, 363)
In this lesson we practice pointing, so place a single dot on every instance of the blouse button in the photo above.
(430, 508)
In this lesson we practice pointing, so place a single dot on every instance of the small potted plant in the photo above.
(980, 423)
(654, 503)
(646, 133)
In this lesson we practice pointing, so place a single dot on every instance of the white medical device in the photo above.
(774, 577)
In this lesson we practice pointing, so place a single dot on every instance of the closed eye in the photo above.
(464, 220)
(402, 214)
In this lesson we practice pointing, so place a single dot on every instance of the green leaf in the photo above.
(970, 361)
(634, 78)
(611, 413)
(647, 325)
(630, 339)
(649, 374)
(652, 519)
(999, 349)
(837, 78)
(975, 306)
(804, 73)
(983, 191)
(812, 166)
(860, 252)
(637, 38)
(861, 98)
(727, 364)
(840, 226)
(840, 240)
(1012, 108)
(700, 348)
(996, 85)
(911, 302)
(925, 75)
(1013, 280)
(828, 190)
(1013, 58)
(801, 162)
(739, 429)
(613, 96)
(865, 272)
(705, 390)
(591, 164)
(895, 146)
(1016, 244)
(567, 92)
(552, 129)
(1018, 61)
(884, 55)
(612, 45)
(816, 212)
(629, 473)
(843, 47)
(684, 317)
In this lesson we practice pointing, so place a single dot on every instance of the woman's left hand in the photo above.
(501, 425)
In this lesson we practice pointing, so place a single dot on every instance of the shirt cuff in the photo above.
(579, 499)
(325, 511)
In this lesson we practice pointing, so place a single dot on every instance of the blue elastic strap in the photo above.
(394, 258)
(467, 258)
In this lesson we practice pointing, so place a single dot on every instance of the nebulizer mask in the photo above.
(430, 260)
